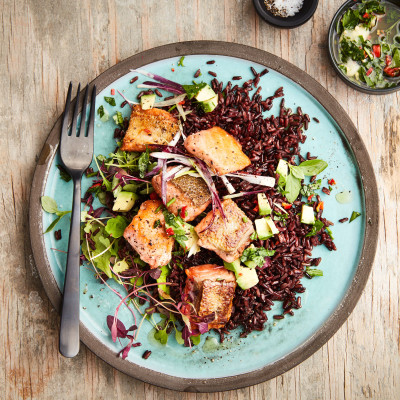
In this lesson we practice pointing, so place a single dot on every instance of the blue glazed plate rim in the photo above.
(353, 293)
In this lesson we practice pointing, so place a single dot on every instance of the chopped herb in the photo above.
(245, 219)
(329, 232)
(110, 100)
(192, 90)
(172, 201)
(119, 120)
(157, 224)
(143, 163)
(180, 62)
(158, 209)
(314, 272)
(354, 215)
(64, 175)
(103, 114)
(309, 190)
(254, 236)
(256, 254)
(318, 225)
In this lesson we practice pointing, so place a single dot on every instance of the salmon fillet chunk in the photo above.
(211, 289)
(228, 238)
(189, 192)
(148, 237)
(147, 127)
(218, 149)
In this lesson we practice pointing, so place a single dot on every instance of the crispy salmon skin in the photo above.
(218, 149)
(211, 288)
(229, 237)
(191, 195)
(147, 127)
(148, 237)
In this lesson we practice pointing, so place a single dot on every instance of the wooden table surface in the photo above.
(44, 45)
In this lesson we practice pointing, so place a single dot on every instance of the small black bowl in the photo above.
(305, 13)
(334, 57)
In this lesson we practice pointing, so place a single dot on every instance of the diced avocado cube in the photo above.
(209, 105)
(163, 278)
(233, 266)
(307, 215)
(263, 204)
(120, 266)
(205, 94)
(125, 201)
(282, 170)
(247, 278)
(262, 228)
(250, 264)
(147, 101)
(272, 226)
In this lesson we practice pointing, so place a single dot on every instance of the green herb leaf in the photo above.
(157, 224)
(180, 62)
(118, 119)
(350, 49)
(350, 19)
(354, 215)
(64, 175)
(292, 188)
(110, 101)
(143, 163)
(256, 254)
(296, 171)
(100, 111)
(314, 272)
(178, 337)
(192, 90)
(116, 226)
(49, 204)
(313, 167)
(254, 236)
(161, 335)
(53, 224)
(318, 225)
(172, 201)
(196, 339)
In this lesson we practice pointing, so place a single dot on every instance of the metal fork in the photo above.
(76, 151)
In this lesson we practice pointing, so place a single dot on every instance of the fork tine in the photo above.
(75, 116)
(91, 115)
(83, 113)
(64, 125)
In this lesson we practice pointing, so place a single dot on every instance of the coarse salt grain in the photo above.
(286, 8)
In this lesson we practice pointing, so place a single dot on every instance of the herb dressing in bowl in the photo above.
(364, 44)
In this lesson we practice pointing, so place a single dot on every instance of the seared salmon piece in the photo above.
(147, 127)
(148, 237)
(218, 149)
(189, 191)
(211, 289)
(228, 238)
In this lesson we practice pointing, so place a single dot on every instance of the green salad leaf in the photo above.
(143, 163)
(116, 226)
(50, 205)
(318, 225)
(314, 272)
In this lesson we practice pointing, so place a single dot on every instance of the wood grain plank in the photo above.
(46, 44)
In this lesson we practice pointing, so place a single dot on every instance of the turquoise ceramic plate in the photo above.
(327, 300)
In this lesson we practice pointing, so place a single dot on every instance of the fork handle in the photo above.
(69, 329)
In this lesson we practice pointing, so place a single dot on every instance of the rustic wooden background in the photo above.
(45, 44)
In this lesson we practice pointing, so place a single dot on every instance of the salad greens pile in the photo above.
(369, 48)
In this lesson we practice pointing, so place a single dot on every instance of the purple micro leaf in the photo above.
(203, 327)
